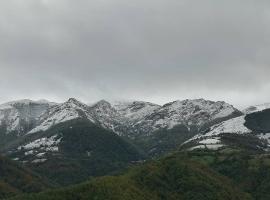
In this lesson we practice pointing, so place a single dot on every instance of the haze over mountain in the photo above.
(154, 50)
(134, 100)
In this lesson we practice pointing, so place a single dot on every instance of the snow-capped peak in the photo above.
(217, 109)
(135, 110)
(129, 116)
(74, 103)
(197, 112)
(69, 110)
(101, 103)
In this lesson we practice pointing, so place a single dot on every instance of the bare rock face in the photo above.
(21, 116)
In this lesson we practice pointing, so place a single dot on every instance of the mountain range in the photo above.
(68, 143)
(26, 116)
(146, 124)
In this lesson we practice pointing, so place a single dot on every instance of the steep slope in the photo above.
(74, 150)
(121, 117)
(172, 124)
(156, 129)
(135, 111)
(101, 113)
(251, 130)
(172, 178)
(15, 179)
(108, 117)
(137, 116)
(18, 117)
(147, 118)
(71, 109)
(195, 113)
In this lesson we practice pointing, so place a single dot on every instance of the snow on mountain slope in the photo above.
(134, 117)
(235, 127)
(198, 112)
(124, 118)
(72, 109)
(20, 115)
(108, 117)
(256, 108)
(40, 147)
(135, 110)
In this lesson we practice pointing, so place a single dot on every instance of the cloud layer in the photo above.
(152, 50)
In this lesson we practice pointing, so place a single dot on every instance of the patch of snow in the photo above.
(235, 125)
(52, 149)
(210, 141)
(46, 144)
(257, 108)
(225, 112)
(26, 111)
(265, 136)
(15, 122)
(60, 117)
(135, 110)
(40, 154)
(197, 147)
(39, 160)
(208, 146)
(29, 152)
(214, 146)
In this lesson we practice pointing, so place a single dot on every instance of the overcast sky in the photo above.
(153, 50)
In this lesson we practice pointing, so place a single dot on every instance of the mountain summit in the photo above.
(136, 120)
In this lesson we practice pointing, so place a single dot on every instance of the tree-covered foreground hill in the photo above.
(15, 179)
(170, 178)
(249, 170)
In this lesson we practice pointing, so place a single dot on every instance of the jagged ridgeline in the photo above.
(223, 151)
(156, 129)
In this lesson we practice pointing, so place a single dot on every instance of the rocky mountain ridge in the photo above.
(253, 126)
(123, 118)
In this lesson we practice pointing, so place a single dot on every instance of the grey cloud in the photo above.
(152, 50)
